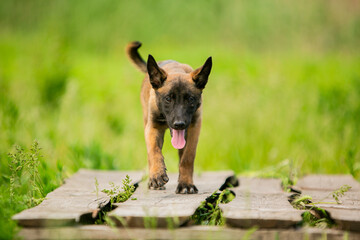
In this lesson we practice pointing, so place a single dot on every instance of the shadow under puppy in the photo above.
(171, 98)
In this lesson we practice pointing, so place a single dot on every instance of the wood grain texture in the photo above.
(327, 182)
(196, 232)
(75, 198)
(260, 202)
(347, 214)
(164, 208)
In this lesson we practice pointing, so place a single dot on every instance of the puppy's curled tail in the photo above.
(134, 56)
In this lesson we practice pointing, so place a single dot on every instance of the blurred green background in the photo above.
(285, 83)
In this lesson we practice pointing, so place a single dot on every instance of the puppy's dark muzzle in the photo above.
(179, 125)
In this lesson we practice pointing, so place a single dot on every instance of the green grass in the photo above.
(26, 185)
(285, 84)
(313, 215)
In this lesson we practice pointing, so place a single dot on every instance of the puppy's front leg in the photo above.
(187, 157)
(154, 137)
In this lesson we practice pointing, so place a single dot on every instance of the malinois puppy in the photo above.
(171, 98)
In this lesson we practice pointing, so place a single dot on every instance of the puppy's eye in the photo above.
(168, 99)
(191, 100)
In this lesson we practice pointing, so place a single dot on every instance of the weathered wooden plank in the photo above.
(163, 208)
(77, 197)
(347, 214)
(262, 203)
(195, 232)
(327, 182)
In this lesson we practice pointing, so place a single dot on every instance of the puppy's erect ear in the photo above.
(157, 75)
(200, 76)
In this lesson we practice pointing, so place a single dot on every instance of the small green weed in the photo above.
(249, 233)
(116, 195)
(316, 216)
(300, 202)
(122, 195)
(340, 193)
(209, 212)
(150, 222)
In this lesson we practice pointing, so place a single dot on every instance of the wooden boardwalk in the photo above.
(164, 208)
(74, 200)
(260, 204)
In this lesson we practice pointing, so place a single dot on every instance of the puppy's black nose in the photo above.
(179, 125)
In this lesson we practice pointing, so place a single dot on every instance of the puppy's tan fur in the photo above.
(160, 79)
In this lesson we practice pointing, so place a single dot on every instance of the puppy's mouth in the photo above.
(178, 138)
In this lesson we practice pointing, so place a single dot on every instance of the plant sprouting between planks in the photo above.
(316, 216)
(118, 195)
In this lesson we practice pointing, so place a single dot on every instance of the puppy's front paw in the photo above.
(186, 188)
(158, 181)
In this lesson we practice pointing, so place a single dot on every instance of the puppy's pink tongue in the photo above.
(178, 139)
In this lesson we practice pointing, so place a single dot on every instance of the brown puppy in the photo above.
(171, 98)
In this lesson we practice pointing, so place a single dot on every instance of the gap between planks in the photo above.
(347, 214)
(260, 202)
(165, 208)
